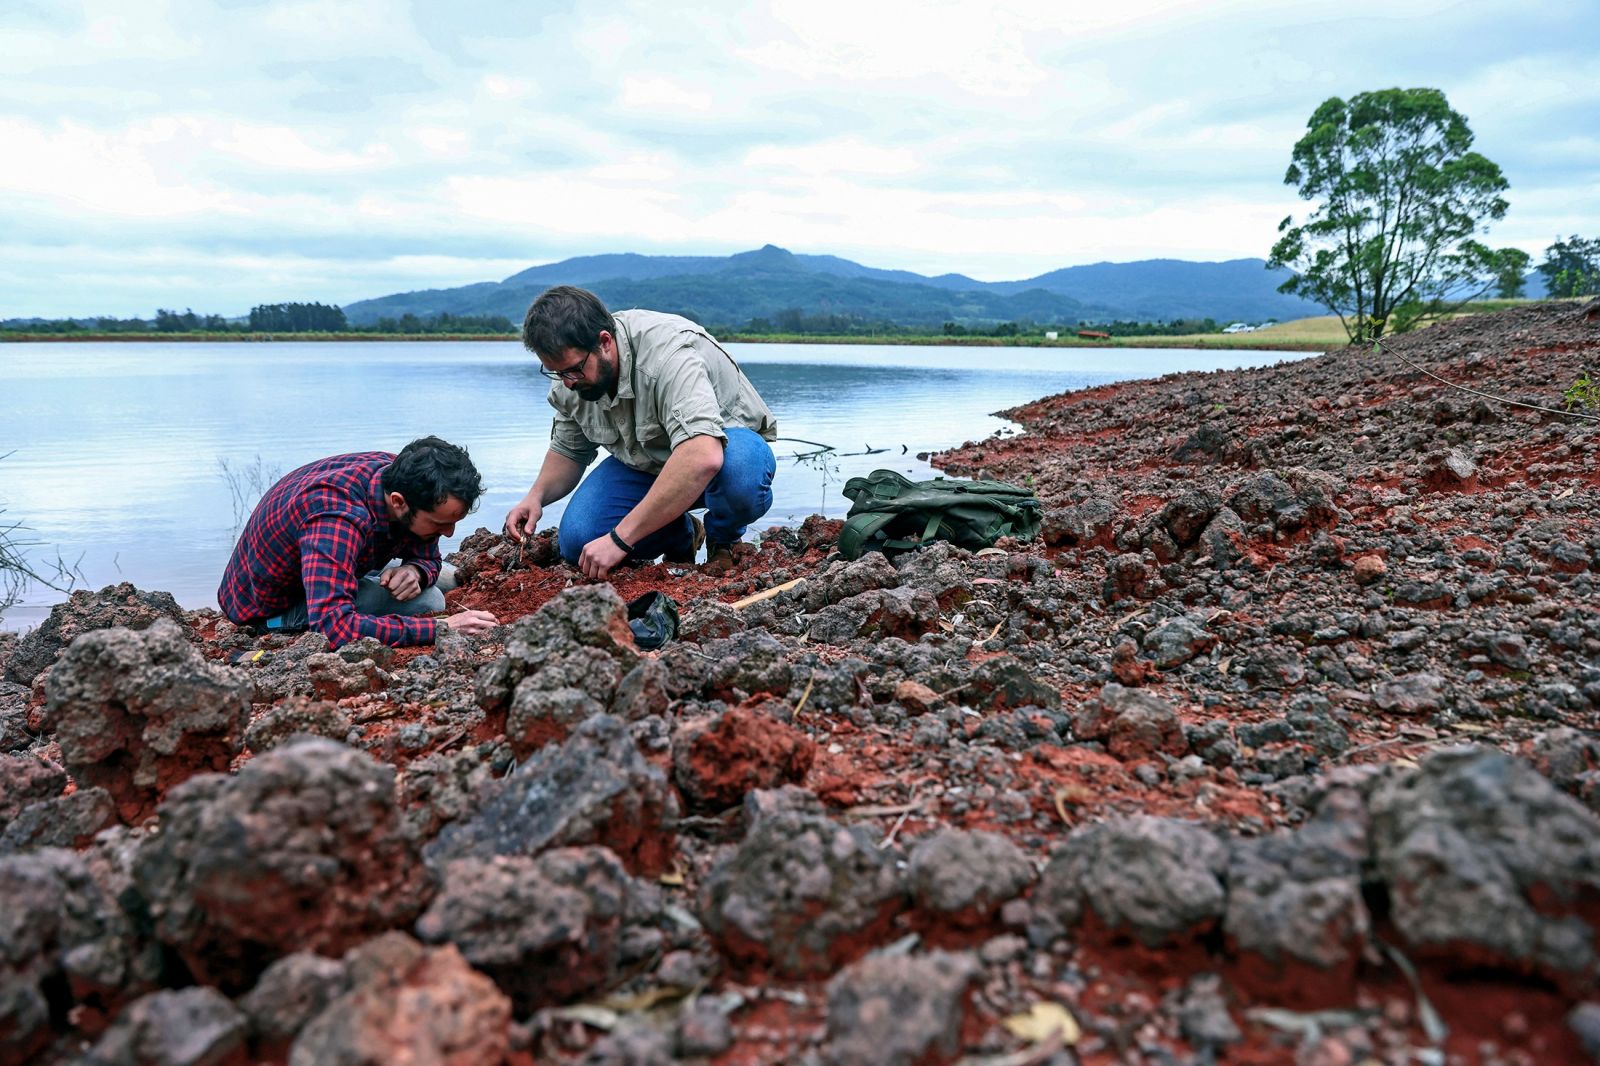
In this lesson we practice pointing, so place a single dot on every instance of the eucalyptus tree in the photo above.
(1400, 198)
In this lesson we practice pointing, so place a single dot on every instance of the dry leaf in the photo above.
(1045, 1021)
(981, 552)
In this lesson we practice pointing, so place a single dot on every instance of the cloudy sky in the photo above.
(220, 154)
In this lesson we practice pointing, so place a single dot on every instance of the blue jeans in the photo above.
(373, 598)
(739, 494)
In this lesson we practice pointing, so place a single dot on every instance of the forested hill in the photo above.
(771, 283)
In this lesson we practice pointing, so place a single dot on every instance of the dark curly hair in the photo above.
(428, 470)
(565, 317)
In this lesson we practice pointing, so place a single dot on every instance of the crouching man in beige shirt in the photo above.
(684, 426)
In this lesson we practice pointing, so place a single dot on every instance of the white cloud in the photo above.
(188, 136)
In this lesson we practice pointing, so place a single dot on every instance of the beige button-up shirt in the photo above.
(673, 382)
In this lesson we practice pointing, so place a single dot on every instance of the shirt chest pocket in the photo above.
(602, 433)
(653, 435)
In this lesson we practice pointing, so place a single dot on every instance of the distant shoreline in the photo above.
(1235, 342)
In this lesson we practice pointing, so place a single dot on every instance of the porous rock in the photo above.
(136, 712)
(1134, 724)
(588, 616)
(1176, 641)
(120, 606)
(573, 684)
(303, 849)
(1481, 853)
(68, 821)
(1296, 897)
(409, 1004)
(25, 780)
(965, 876)
(14, 732)
(296, 715)
(906, 613)
(801, 894)
(1411, 694)
(548, 928)
(291, 992)
(1157, 879)
(187, 1027)
(594, 788)
(716, 761)
(898, 1011)
(60, 933)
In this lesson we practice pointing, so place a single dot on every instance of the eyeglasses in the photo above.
(571, 373)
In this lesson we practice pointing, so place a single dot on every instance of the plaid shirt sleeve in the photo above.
(330, 549)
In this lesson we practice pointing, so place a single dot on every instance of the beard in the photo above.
(606, 386)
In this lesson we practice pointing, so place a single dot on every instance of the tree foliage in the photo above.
(1400, 196)
(1572, 267)
(297, 318)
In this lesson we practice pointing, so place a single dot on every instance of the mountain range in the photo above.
(731, 291)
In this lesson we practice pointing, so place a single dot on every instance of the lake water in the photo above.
(117, 451)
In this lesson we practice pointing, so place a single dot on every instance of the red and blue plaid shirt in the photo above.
(313, 536)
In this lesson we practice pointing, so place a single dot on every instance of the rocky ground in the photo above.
(1281, 747)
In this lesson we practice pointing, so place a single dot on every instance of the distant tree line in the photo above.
(266, 318)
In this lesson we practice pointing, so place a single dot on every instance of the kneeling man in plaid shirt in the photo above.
(310, 556)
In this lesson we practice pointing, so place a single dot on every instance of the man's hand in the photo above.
(404, 582)
(523, 520)
(599, 556)
(472, 623)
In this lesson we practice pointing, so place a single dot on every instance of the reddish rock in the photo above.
(1369, 568)
(716, 762)
(916, 697)
(136, 712)
(1134, 724)
(410, 1004)
(303, 850)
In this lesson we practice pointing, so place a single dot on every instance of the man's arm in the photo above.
(683, 478)
(330, 549)
(558, 476)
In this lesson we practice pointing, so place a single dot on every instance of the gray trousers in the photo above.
(373, 598)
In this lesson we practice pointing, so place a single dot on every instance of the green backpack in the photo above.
(890, 512)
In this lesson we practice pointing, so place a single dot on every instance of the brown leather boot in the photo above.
(698, 539)
(719, 559)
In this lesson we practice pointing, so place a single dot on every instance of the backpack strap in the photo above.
(859, 530)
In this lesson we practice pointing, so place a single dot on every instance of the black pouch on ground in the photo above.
(653, 618)
(889, 513)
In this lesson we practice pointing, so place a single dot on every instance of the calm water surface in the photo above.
(117, 450)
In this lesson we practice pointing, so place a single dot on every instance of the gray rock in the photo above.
(845, 580)
(1571, 760)
(802, 894)
(60, 822)
(958, 873)
(1412, 694)
(898, 1011)
(586, 616)
(14, 732)
(1157, 879)
(906, 613)
(1221, 538)
(595, 788)
(1176, 641)
(746, 664)
(1297, 896)
(302, 850)
(291, 992)
(190, 1027)
(644, 691)
(296, 716)
(711, 620)
(1003, 682)
(547, 929)
(1081, 524)
(138, 711)
(115, 605)
(1186, 516)
(1584, 1021)
(60, 934)
(1477, 848)
(942, 570)
(633, 1042)
(1203, 1016)
(25, 780)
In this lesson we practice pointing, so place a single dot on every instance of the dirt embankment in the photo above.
(1284, 745)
